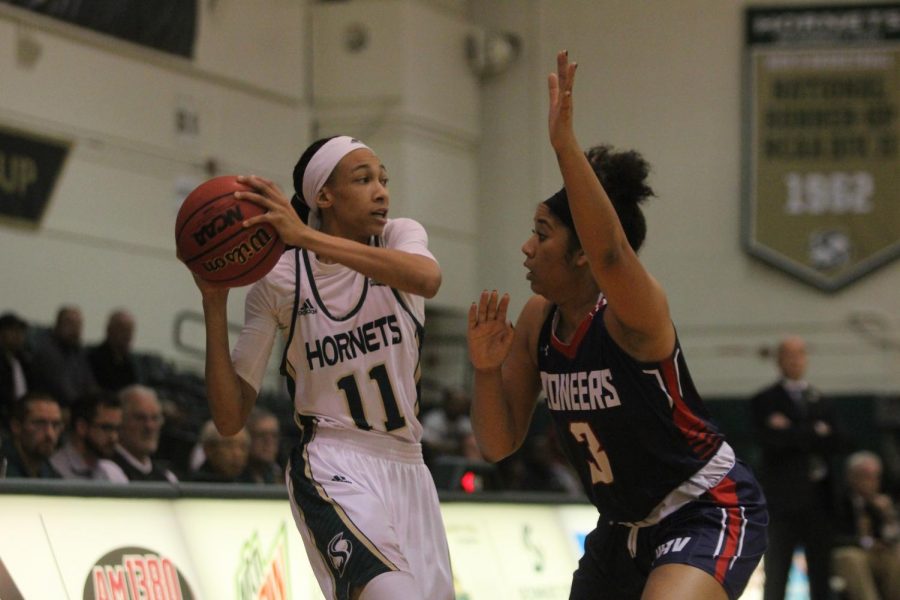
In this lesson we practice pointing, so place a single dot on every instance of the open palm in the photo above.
(489, 334)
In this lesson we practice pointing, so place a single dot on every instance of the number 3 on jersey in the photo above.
(598, 461)
(379, 375)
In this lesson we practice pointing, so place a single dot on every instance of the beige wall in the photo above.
(468, 158)
(665, 78)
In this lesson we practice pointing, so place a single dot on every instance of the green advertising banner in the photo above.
(822, 140)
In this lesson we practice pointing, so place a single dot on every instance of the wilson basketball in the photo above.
(212, 240)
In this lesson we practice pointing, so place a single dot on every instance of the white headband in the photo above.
(323, 163)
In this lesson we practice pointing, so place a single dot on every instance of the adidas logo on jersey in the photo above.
(341, 479)
(307, 308)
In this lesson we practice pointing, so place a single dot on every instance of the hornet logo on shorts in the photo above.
(339, 551)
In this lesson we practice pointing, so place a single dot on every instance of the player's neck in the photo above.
(573, 311)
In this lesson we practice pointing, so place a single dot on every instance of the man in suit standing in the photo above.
(797, 430)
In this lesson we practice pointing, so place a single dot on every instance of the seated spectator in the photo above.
(112, 361)
(226, 456)
(60, 363)
(547, 468)
(867, 547)
(445, 427)
(262, 459)
(35, 426)
(93, 435)
(142, 421)
(15, 366)
(177, 439)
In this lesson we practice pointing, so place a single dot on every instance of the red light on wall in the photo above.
(468, 482)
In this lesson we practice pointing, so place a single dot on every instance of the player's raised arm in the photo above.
(638, 314)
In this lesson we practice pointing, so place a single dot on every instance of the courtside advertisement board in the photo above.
(821, 136)
(248, 549)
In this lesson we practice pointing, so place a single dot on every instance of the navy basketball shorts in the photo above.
(723, 532)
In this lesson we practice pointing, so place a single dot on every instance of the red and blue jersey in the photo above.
(634, 431)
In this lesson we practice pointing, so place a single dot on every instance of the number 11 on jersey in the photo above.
(379, 375)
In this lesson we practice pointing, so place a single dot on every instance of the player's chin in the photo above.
(377, 225)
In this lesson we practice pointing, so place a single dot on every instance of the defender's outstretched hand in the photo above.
(489, 334)
(560, 85)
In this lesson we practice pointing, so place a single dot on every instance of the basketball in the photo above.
(212, 240)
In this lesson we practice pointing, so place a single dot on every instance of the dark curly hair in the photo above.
(623, 175)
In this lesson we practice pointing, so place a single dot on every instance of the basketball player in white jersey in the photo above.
(348, 296)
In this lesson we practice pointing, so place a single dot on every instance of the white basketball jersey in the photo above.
(354, 350)
(355, 353)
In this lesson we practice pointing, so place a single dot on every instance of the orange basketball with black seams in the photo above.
(212, 240)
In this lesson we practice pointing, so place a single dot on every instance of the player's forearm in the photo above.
(223, 388)
(492, 420)
(407, 272)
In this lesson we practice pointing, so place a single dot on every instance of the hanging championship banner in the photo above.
(822, 140)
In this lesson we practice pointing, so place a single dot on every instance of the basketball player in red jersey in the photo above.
(680, 516)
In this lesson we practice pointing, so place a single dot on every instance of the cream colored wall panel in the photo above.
(99, 93)
(412, 58)
(262, 42)
(119, 99)
(265, 137)
(373, 72)
(440, 86)
(441, 186)
(457, 257)
(94, 90)
(108, 202)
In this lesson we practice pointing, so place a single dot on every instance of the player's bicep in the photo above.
(638, 315)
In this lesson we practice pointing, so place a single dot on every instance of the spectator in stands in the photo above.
(226, 457)
(446, 426)
(93, 435)
(262, 459)
(35, 425)
(112, 361)
(142, 421)
(867, 545)
(547, 468)
(60, 362)
(14, 364)
(177, 439)
(797, 430)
